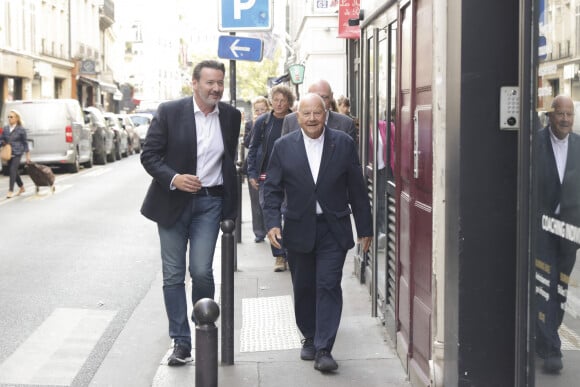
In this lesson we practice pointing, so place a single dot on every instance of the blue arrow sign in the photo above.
(238, 48)
(245, 15)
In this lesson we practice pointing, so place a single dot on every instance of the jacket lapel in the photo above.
(300, 150)
(327, 152)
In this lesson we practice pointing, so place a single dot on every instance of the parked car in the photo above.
(121, 139)
(142, 120)
(103, 136)
(56, 130)
(134, 140)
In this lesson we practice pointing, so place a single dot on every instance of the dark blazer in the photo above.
(340, 190)
(170, 148)
(335, 121)
(551, 192)
(17, 139)
(567, 193)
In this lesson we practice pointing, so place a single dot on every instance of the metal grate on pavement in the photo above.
(268, 324)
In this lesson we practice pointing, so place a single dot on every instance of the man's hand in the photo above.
(274, 236)
(254, 183)
(366, 243)
(187, 183)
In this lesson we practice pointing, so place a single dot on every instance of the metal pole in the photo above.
(233, 96)
(227, 325)
(239, 217)
(206, 312)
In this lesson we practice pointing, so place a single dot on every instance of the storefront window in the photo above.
(556, 196)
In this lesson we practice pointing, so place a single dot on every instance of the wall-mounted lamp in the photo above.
(356, 21)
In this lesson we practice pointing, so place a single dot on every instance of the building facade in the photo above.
(58, 49)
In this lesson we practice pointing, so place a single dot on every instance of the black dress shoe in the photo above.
(308, 352)
(324, 362)
(552, 364)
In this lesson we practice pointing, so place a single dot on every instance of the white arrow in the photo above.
(234, 48)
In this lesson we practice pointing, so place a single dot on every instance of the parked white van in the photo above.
(56, 130)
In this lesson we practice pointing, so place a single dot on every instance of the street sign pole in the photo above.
(233, 79)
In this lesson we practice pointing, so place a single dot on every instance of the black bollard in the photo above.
(206, 312)
(228, 257)
(239, 217)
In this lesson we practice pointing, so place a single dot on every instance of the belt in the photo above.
(216, 190)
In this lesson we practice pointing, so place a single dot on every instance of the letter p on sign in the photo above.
(245, 15)
(240, 6)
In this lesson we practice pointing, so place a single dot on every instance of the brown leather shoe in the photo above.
(280, 264)
(9, 194)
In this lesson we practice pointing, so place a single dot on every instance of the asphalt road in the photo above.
(73, 267)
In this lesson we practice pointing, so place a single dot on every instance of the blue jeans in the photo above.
(199, 225)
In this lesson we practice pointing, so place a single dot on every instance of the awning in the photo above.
(90, 81)
(108, 87)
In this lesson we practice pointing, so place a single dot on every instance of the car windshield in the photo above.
(140, 120)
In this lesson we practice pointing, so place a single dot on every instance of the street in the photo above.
(76, 264)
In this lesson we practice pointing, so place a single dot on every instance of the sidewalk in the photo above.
(267, 342)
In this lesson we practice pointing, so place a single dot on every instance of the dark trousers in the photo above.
(13, 166)
(554, 263)
(257, 217)
(316, 279)
(276, 252)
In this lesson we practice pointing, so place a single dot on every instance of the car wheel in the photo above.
(89, 164)
(111, 156)
(75, 166)
(118, 153)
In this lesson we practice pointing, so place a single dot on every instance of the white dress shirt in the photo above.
(210, 147)
(314, 147)
(560, 148)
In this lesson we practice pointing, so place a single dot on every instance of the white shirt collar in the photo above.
(556, 140)
(313, 140)
(196, 108)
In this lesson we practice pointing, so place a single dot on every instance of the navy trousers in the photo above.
(316, 279)
(554, 263)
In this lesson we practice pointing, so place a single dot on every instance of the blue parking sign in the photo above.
(245, 15)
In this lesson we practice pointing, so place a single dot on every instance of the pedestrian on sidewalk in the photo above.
(190, 151)
(261, 105)
(318, 171)
(267, 129)
(14, 134)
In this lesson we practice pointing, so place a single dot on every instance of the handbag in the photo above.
(6, 152)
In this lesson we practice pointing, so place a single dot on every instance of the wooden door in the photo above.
(414, 189)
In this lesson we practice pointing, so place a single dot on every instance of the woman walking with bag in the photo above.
(14, 135)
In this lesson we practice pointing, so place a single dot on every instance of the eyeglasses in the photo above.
(563, 114)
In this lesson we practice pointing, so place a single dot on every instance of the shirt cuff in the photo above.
(171, 186)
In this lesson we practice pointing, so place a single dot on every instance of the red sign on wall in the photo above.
(348, 9)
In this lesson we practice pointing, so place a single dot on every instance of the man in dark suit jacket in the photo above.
(558, 202)
(318, 171)
(190, 152)
(333, 119)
